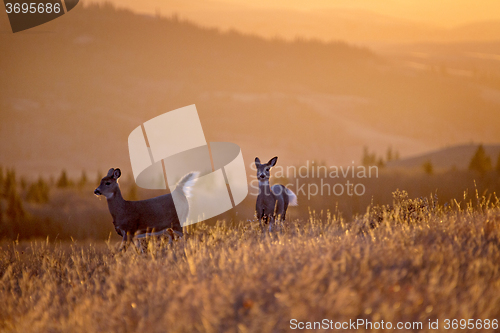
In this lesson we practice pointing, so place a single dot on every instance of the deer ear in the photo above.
(272, 161)
(117, 173)
(257, 161)
(110, 172)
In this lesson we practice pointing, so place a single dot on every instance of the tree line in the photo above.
(480, 161)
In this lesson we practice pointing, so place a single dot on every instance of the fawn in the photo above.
(151, 217)
(272, 201)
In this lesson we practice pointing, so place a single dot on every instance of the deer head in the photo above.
(263, 170)
(109, 184)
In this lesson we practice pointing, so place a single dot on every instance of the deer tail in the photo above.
(187, 182)
(292, 198)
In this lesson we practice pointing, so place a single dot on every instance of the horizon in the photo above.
(240, 142)
(352, 96)
(444, 14)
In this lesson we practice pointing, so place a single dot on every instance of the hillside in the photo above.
(73, 89)
(355, 21)
(451, 157)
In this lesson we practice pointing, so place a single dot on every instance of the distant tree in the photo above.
(1, 216)
(428, 167)
(15, 210)
(381, 163)
(83, 180)
(132, 192)
(63, 180)
(23, 183)
(368, 159)
(1, 177)
(9, 183)
(99, 177)
(480, 162)
(390, 154)
(497, 167)
(4, 227)
(396, 155)
(38, 192)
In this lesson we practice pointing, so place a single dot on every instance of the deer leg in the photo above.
(170, 235)
(262, 222)
(266, 219)
(123, 244)
(276, 215)
(285, 208)
(271, 219)
(178, 234)
(281, 209)
(261, 217)
(138, 245)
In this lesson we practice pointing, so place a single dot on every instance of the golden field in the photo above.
(412, 261)
(410, 88)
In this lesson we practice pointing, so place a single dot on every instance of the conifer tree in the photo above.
(9, 184)
(63, 180)
(132, 193)
(497, 168)
(480, 162)
(390, 154)
(83, 180)
(38, 192)
(98, 178)
(368, 159)
(15, 210)
(428, 167)
(1, 216)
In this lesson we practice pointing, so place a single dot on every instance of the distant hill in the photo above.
(451, 157)
(353, 25)
(353, 21)
(73, 89)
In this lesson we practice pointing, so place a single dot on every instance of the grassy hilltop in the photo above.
(414, 262)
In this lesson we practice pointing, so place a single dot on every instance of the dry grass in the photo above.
(429, 262)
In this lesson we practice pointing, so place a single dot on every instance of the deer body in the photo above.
(134, 217)
(151, 217)
(272, 201)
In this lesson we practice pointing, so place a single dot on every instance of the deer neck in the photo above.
(264, 188)
(116, 203)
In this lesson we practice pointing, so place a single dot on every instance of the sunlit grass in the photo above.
(395, 263)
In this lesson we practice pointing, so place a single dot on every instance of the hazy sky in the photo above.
(439, 12)
(446, 13)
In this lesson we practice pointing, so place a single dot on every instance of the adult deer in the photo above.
(151, 217)
(272, 201)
